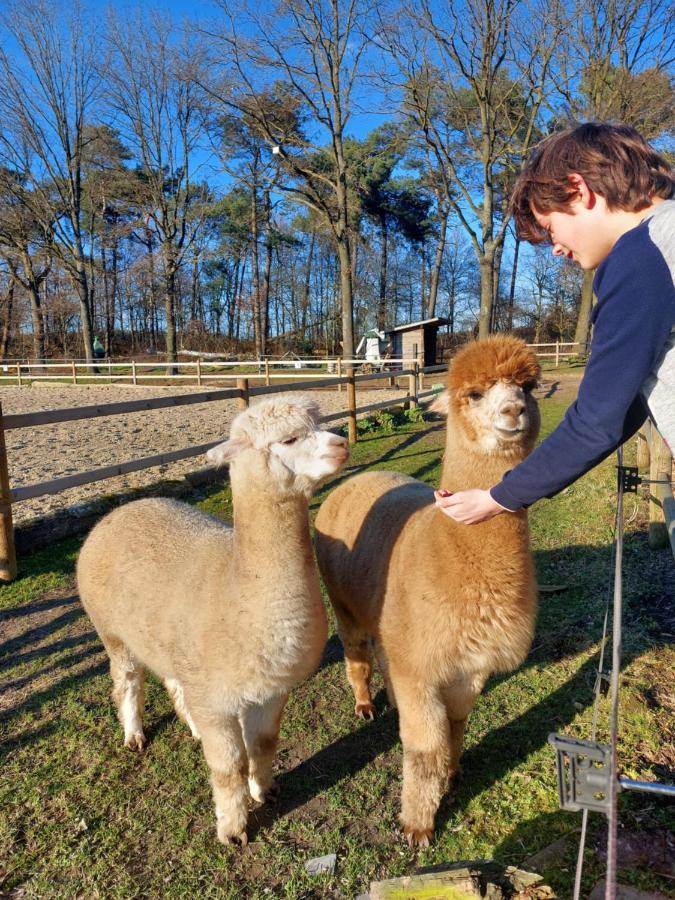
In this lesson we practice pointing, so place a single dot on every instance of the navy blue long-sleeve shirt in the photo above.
(631, 350)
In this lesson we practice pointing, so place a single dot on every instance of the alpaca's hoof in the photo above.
(225, 837)
(260, 794)
(417, 837)
(240, 839)
(365, 711)
(135, 741)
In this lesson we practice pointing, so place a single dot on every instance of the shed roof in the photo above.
(437, 321)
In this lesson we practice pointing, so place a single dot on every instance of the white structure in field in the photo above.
(374, 342)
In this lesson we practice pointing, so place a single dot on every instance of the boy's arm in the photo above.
(633, 319)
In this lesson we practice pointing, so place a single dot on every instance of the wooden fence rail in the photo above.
(241, 394)
(74, 371)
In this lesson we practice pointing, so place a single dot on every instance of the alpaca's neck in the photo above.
(271, 531)
(467, 466)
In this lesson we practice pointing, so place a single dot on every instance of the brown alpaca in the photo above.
(230, 619)
(442, 605)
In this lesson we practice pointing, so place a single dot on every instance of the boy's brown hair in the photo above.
(614, 160)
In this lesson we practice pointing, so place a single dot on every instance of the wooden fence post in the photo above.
(412, 388)
(242, 400)
(643, 439)
(18, 374)
(73, 369)
(557, 353)
(133, 372)
(339, 372)
(351, 406)
(7, 547)
(660, 463)
(267, 372)
(199, 372)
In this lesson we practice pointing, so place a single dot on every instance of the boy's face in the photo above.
(585, 230)
(578, 233)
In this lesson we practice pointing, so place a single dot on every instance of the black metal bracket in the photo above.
(602, 683)
(629, 479)
(584, 773)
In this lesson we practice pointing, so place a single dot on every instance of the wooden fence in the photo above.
(201, 371)
(241, 394)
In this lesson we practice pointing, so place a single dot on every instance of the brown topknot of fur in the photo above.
(483, 363)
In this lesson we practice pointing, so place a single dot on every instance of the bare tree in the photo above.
(26, 248)
(150, 88)
(474, 78)
(48, 91)
(317, 48)
(612, 62)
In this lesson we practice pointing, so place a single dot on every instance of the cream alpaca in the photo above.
(230, 618)
(442, 605)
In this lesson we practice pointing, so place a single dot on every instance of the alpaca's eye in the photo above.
(529, 386)
(475, 395)
(289, 441)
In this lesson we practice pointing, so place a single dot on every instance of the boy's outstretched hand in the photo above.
(468, 507)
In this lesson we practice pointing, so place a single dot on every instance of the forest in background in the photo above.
(282, 180)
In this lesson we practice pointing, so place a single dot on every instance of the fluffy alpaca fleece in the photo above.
(442, 605)
(230, 618)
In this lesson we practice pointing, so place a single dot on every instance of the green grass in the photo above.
(80, 816)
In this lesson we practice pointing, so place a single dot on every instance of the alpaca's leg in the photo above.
(128, 677)
(459, 698)
(383, 666)
(358, 662)
(175, 690)
(260, 724)
(425, 737)
(225, 754)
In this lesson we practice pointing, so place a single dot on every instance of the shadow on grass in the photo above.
(40, 632)
(54, 692)
(27, 609)
(66, 663)
(48, 650)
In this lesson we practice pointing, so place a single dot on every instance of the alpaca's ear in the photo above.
(441, 404)
(223, 453)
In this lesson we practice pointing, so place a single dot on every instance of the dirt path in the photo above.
(50, 451)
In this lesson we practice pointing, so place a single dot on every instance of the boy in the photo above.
(599, 194)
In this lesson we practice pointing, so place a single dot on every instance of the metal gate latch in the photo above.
(629, 479)
(583, 773)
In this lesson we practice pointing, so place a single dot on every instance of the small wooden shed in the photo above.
(416, 340)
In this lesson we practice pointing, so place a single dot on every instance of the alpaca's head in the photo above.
(489, 396)
(278, 444)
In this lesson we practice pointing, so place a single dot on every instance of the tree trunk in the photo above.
(265, 299)
(512, 287)
(486, 293)
(307, 286)
(31, 283)
(497, 268)
(255, 273)
(82, 289)
(170, 313)
(436, 270)
(347, 299)
(583, 330)
(7, 323)
(382, 303)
